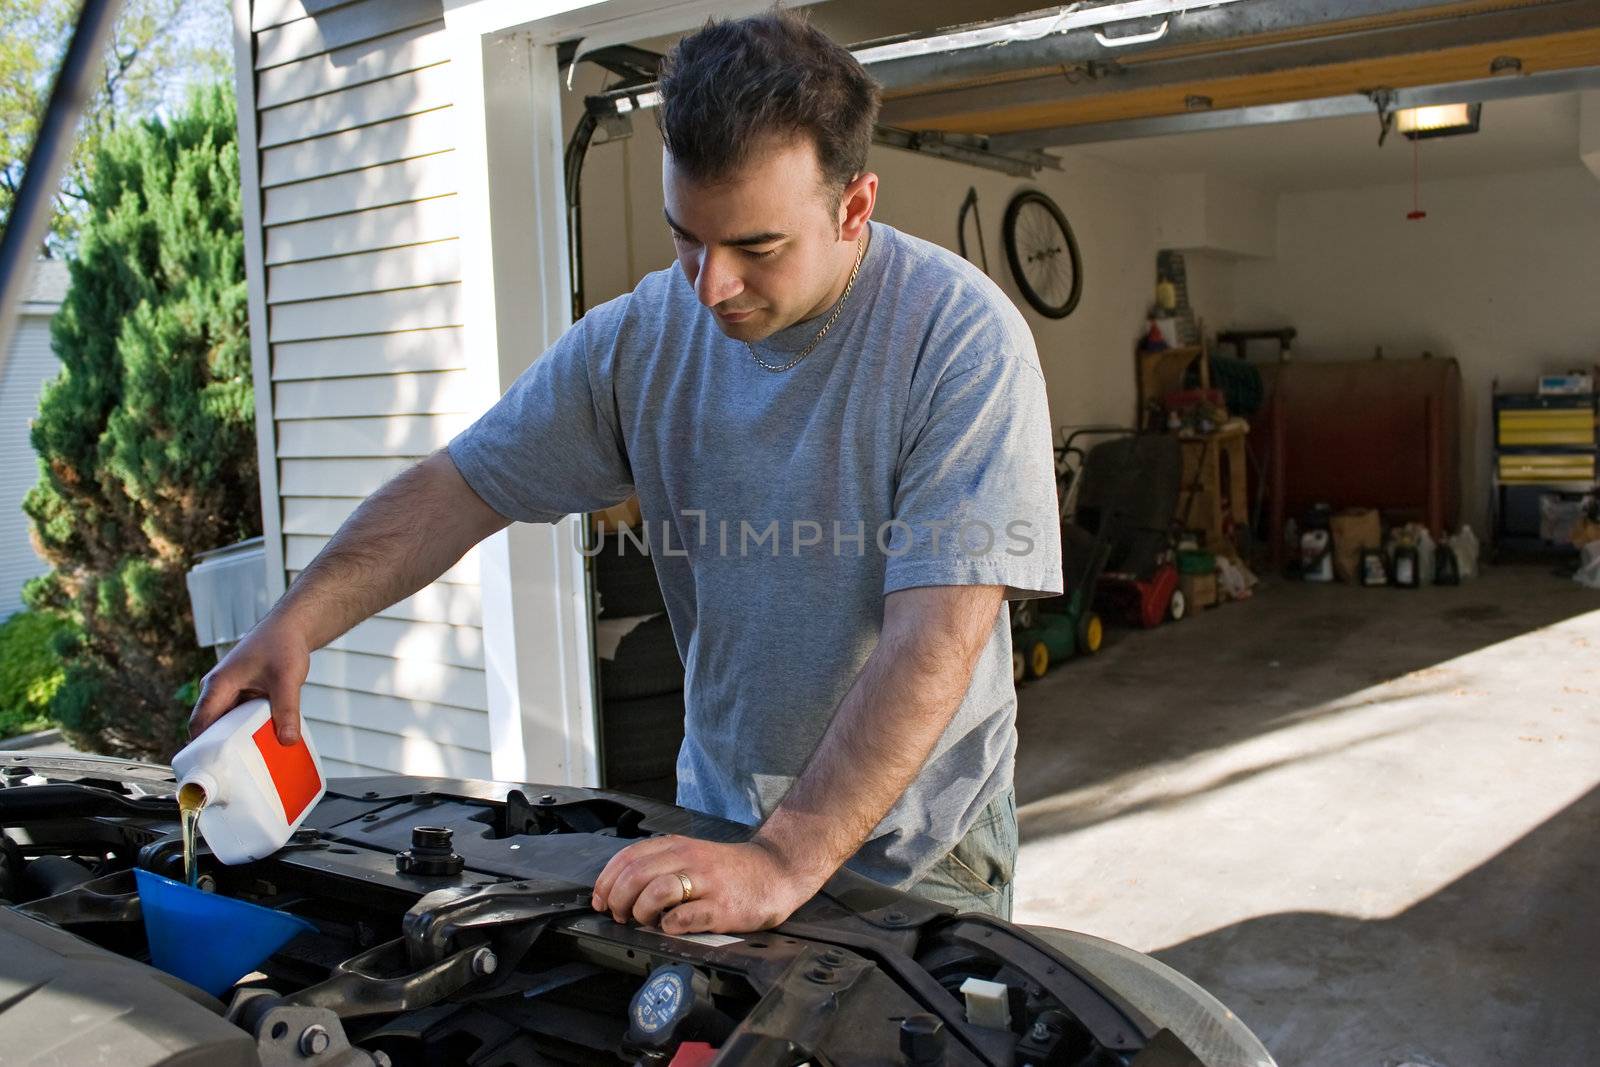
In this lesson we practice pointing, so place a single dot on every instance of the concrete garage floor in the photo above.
(1366, 819)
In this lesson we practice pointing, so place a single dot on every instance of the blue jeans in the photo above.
(976, 874)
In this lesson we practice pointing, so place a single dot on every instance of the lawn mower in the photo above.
(1117, 503)
(1127, 495)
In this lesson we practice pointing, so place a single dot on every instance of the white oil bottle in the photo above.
(252, 791)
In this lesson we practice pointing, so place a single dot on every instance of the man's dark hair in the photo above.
(731, 84)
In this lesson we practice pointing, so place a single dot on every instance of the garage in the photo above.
(1318, 796)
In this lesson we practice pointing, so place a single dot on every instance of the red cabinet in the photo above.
(1379, 433)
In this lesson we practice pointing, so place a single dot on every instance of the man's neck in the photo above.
(842, 281)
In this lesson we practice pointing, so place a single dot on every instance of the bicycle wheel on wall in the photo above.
(1043, 254)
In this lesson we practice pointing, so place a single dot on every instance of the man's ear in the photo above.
(855, 206)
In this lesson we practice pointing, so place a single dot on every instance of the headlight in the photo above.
(1167, 998)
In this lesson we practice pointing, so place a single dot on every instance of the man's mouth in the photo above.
(735, 316)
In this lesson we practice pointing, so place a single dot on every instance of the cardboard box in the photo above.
(1199, 590)
(1353, 530)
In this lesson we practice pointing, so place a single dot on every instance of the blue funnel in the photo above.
(208, 940)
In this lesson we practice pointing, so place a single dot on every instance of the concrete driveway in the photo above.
(1366, 819)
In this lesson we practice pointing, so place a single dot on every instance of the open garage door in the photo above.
(998, 93)
(1134, 69)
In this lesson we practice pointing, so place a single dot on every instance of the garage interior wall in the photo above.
(362, 289)
(1499, 275)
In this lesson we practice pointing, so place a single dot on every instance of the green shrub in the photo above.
(147, 439)
(30, 671)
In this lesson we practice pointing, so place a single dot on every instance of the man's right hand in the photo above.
(272, 662)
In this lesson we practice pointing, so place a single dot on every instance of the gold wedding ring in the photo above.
(688, 887)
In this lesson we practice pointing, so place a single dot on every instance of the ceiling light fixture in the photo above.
(1442, 120)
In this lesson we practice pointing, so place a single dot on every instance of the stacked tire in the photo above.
(641, 684)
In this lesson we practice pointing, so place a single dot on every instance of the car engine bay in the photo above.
(452, 925)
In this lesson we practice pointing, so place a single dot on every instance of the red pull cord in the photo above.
(1416, 211)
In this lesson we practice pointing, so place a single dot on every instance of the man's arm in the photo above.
(881, 735)
(401, 538)
(886, 726)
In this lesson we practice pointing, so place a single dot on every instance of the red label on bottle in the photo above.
(292, 770)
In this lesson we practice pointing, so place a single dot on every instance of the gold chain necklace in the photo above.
(837, 309)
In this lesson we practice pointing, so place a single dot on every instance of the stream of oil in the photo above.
(191, 799)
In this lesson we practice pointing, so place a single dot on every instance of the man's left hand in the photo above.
(734, 889)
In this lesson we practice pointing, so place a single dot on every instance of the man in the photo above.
(839, 439)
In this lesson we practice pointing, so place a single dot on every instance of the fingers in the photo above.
(285, 701)
(631, 884)
(608, 877)
(605, 885)
(270, 662)
(661, 893)
(695, 917)
(217, 698)
(650, 865)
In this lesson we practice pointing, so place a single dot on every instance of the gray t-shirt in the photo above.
(912, 447)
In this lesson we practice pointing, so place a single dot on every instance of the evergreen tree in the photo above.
(146, 440)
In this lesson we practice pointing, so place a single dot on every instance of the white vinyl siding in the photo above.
(389, 183)
(348, 316)
(394, 268)
(23, 374)
(359, 235)
(407, 137)
(396, 96)
(385, 227)
(369, 61)
(402, 434)
(384, 353)
(327, 27)
(432, 393)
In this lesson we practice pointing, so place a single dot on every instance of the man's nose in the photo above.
(716, 280)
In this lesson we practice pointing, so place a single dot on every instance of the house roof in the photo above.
(47, 287)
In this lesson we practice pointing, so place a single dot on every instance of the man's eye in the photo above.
(685, 238)
(761, 255)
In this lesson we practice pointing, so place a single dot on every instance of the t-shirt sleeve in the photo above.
(551, 445)
(976, 500)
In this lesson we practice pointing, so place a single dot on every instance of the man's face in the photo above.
(762, 248)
